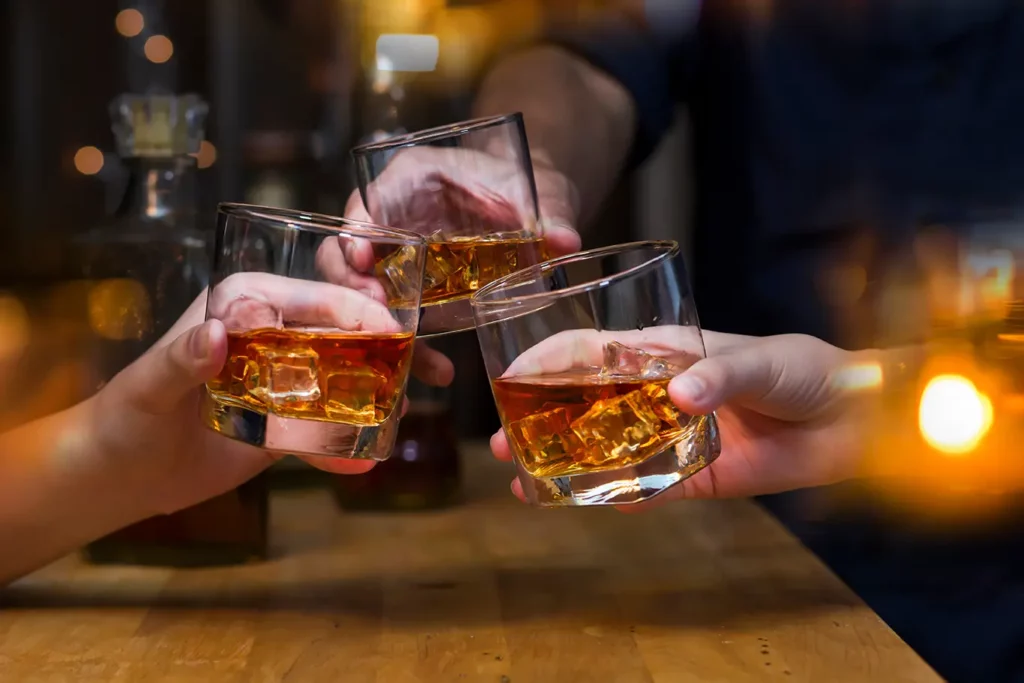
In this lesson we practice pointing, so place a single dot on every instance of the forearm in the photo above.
(579, 120)
(56, 492)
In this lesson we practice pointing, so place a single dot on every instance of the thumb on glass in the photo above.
(164, 375)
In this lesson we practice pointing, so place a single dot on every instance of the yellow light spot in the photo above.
(14, 327)
(119, 309)
(206, 156)
(954, 416)
(89, 160)
(158, 49)
(129, 22)
(859, 377)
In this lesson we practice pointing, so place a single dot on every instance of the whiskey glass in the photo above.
(321, 314)
(580, 351)
(469, 189)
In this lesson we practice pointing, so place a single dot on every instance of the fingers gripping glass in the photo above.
(469, 189)
(321, 315)
(580, 351)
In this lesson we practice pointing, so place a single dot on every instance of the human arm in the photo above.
(598, 97)
(567, 105)
(57, 492)
(793, 411)
(137, 448)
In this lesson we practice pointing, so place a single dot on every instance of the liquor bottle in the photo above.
(144, 268)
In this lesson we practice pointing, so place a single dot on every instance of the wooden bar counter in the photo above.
(489, 591)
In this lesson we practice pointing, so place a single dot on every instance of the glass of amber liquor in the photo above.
(321, 314)
(580, 351)
(469, 189)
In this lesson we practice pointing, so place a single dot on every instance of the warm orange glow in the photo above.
(158, 49)
(954, 416)
(466, 36)
(14, 327)
(987, 283)
(119, 309)
(206, 156)
(89, 160)
(129, 22)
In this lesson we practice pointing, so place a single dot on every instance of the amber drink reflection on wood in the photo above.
(321, 314)
(580, 370)
(469, 189)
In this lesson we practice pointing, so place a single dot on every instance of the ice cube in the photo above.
(616, 428)
(625, 361)
(442, 263)
(400, 274)
(288, 379)
(352, 395)
(657, 400)
(546, 440)
(495, 256)
(659, 368)
(622, 361)
(245, 376)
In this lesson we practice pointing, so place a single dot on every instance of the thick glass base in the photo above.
(697, 449)
(299, 437)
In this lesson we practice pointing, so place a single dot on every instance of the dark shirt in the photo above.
(825, 135)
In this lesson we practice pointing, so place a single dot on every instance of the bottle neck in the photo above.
(159, 189)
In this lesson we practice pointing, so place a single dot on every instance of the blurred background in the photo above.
(291, 86)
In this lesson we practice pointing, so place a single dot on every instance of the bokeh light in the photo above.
(120, 309)
(129, 22)
(954, 416)
(14, 326)
(158, 49)
(206, 156)
(89, 160)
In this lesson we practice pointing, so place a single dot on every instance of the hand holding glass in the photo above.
(469, 189)
(321, 315)
(580, 351)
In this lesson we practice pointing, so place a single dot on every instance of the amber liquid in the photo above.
(354, 378)
(457, 267)
(580, 421)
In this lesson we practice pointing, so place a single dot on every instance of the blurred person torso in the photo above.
(825, 136)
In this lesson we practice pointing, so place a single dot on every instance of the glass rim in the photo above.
(319, 222)
(666, 249)
(449, 130)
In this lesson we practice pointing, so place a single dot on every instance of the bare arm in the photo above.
(580, 120)
(57, 492)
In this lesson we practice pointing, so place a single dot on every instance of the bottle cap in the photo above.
(158, 125)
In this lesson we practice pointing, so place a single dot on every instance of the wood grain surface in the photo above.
(489, 591)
